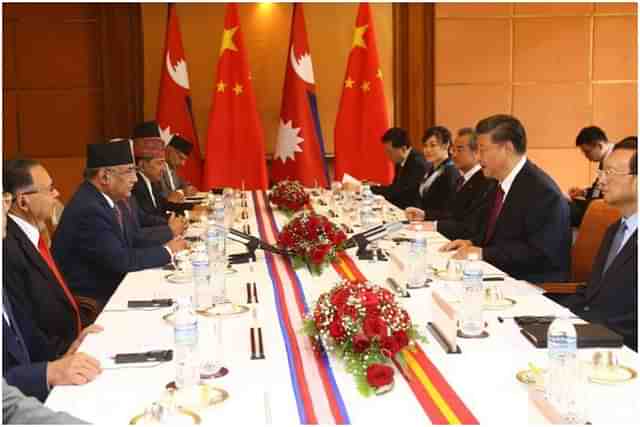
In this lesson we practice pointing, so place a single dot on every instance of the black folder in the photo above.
(589, 335)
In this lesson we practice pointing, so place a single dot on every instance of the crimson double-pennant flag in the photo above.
(235, 139)
(362, 115)
(299, 151)
(174, 112)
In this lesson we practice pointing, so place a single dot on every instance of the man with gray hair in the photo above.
(467, 208)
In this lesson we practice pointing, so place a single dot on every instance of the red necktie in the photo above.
(46, 255)
(459, 183)
(119, 217)
(495, 211)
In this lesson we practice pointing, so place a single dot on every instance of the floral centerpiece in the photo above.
(312, 240)
(363, 325)
(289, 197)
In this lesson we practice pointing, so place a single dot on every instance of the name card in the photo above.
(398, 271)
(444, 325)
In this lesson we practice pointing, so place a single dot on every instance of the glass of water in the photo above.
(213, 351)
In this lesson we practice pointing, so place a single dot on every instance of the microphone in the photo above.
(372, 234)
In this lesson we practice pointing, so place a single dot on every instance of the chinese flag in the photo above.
(235, 141)
(362, 115)
(299, 150)
(174, 114)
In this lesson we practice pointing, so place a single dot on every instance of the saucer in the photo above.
(182, 415)
(179, 278)
(503, 304)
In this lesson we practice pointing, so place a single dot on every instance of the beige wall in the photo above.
(266, 33)
(557, 67)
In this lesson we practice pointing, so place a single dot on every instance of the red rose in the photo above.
(379, 375)
(319, 252)
(389, 346)
(340, 297)
(373, 310)
(374, 326)
(401, 338)
(360, 343)
(369, 299)
(336, 330)
(385, 295)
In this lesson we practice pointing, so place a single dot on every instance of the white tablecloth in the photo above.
(483, 375)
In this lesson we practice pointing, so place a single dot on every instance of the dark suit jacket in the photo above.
(437, 197)
(611, 298)
(532, 237)
(149, 230)
(91, 249)
(467, 209)
(402, 191)
(141, 193)
(24, 361)
(578, 207)
(36, 291)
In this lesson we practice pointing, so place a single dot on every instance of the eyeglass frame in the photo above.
(609, 172)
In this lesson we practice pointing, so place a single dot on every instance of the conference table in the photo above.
(482, 376)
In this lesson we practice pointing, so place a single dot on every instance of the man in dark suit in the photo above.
(410, 167)
(527, 232)
(177, 151)
(29, 272)
(466, 210)
(593, 143)
(149, 156)
(25, 351)
(611, 294)
(93, 244)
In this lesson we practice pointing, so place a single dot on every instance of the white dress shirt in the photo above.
(467, 176)
(508, 181)
(32, 232)
(632, 226)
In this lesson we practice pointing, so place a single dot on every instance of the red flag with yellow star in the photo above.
(235, 140)
(362, 115)
(174, 113)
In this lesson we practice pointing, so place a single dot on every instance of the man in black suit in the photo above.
(30, 275)
(611, 294)
(410, 167)
(593, 143)
(467, 208)
(150, 160)
(527, 232)
(27, 362)
(93, 244)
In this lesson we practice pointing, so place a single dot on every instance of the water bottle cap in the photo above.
(473, 257)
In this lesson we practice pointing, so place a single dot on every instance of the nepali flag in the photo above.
(174, 112)
(299, 151)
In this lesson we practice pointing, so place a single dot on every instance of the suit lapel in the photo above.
(623, 256)
(35, 259)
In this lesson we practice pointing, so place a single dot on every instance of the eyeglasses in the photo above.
(611, 172)
(49, 190)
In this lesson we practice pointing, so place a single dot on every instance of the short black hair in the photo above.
(16, 175)
(630, 143)
(473, 141)
(397, 137)
(503, 128)
(590, 135)
(441, 133)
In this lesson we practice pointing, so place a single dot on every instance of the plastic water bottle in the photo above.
(228, 210)
(418, 260)
(216, 241)
(471, 321)
(200, 272)
(561, 383)
(219, 211)
(367, 218)
(186, 345)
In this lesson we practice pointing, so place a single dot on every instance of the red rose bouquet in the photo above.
(289, 197)
(362, 324)
(312, 240)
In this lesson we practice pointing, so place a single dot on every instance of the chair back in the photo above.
(598, 217)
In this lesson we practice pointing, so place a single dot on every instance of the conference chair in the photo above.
(597, 219)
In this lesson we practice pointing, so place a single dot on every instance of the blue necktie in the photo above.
(616, 244)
